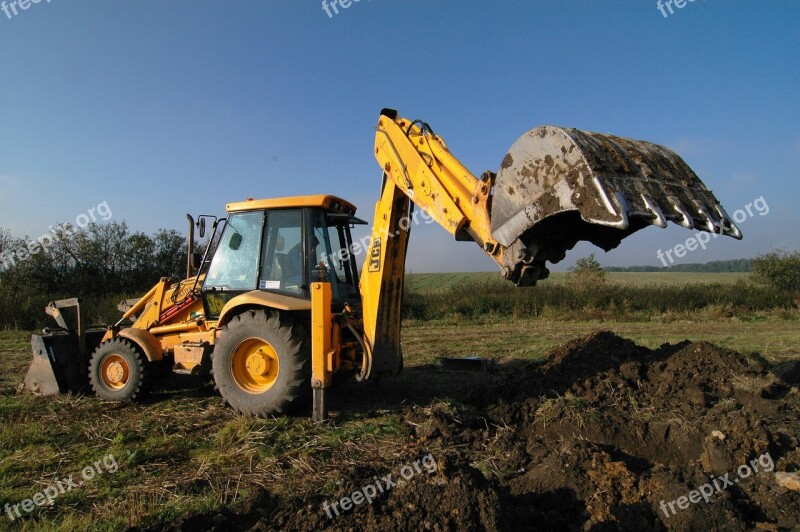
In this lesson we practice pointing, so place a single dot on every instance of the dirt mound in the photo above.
(603, 435)
(587, 356)
(641, 427)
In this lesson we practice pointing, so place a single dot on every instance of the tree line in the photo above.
(105, 263)
(715, 266)
(95, 262)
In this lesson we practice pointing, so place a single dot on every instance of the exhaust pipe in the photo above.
(190, 248)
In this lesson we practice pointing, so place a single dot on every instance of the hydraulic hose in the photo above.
(366, 366)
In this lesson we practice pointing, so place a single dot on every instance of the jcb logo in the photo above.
(375, 256)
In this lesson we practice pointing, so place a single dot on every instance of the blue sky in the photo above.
(165, 107)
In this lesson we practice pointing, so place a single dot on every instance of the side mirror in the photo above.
(280, 243)
(236, 242)
(202, 225)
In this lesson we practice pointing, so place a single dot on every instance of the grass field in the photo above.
(435, 281)
(776, 340)
(181, 452)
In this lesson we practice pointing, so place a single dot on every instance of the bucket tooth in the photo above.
(686, 219)
(604, 197)
(733, 229)
(652, 206)
(624, 210)
(710, 223)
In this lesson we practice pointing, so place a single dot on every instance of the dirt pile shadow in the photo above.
(603, 435)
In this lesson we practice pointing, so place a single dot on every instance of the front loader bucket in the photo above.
(57, 365)
(60, 361)
(557, 186)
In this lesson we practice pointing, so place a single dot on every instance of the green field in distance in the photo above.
(429, 281)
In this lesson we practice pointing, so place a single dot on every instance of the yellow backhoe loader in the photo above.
(277, 307)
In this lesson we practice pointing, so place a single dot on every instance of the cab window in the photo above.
(235, 262)
(283, 262)
(334, 261)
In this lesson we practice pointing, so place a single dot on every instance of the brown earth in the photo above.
(594, 438)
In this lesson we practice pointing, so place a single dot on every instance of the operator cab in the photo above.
(282, 246)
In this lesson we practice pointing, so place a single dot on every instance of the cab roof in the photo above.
(326, 201)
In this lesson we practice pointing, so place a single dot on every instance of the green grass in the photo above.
(531, 339)
(179, 453)
(438, 281)
(582, 298)
(671, 278)
(13, 341)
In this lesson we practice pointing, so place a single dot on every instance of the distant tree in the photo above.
(715, 266)
(95, 261)
(588, 264)
(778, 269)
(141, 249)
(5, 239)
(587, 272)
(170, 253)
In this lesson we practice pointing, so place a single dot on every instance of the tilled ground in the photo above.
(604, 435)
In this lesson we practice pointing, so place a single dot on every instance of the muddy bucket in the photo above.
(557, 186)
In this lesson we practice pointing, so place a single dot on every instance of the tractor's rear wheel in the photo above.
(119, 371)
(261, 363)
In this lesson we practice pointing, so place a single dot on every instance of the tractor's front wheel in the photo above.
(261, 363)
(119, 371)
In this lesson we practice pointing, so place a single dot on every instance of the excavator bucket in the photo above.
(557, 186)
(60, 356)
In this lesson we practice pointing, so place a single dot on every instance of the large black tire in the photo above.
(119, 371)
(261, 363)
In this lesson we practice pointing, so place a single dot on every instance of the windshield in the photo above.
(235, 262)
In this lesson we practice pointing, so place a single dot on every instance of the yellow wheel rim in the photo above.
(255, 365)
(115, 372)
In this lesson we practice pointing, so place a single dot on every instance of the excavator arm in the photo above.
(421, 166)
(418, 170)
(555, 187)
